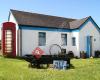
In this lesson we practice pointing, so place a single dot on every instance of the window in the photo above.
(73, 41)
(64, 39)
(42, 38)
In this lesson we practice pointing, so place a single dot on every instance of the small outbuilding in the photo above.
(38, 30)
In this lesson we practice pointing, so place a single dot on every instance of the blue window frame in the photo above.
(73, 41)
(42, 38)
(64, 39)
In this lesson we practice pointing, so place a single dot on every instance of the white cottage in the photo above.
(39, 30)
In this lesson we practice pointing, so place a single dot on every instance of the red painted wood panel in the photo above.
(9, 26)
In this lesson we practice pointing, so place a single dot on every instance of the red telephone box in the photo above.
(9, 39)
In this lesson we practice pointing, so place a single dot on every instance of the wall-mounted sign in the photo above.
(38, 52)
(60, 64)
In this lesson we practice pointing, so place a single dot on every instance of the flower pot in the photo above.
(82, 55)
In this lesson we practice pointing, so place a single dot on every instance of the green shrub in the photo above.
(97, 53)
(70, 54)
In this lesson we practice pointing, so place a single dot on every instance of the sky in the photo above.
(65, 8)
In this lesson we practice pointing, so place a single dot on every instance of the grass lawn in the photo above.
(84, 69)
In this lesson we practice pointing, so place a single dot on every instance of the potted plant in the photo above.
(70, 54)
(97, 54)
(82, 54)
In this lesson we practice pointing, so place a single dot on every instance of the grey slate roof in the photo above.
(77, 23)
(34, 19)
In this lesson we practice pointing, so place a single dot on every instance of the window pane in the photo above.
(64, 39)
(42, 38)
(74, 41)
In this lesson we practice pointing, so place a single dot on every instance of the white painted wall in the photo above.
(30, 41)
(89, 30)
(12, 19)
(75, 48)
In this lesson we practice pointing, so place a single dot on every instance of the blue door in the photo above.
(89, 46)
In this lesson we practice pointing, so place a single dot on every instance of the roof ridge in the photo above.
(77, 23)
(41, 14)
